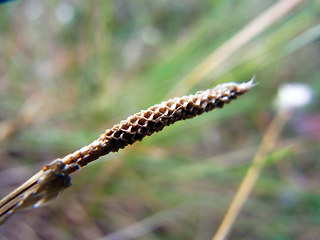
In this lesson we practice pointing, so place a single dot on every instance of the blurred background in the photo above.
(71, 69)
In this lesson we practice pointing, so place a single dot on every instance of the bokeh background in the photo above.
(71, 69)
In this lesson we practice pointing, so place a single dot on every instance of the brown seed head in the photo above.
(54, 177)
(154, 119)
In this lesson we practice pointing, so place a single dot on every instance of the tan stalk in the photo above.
(268, 142)
(236, 42)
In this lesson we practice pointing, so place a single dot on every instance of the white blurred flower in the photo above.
(293, 95)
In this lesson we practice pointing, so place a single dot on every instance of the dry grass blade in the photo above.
(252, 175)
(54, 178)
(241, 38)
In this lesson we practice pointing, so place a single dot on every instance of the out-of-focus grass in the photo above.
(88, 65)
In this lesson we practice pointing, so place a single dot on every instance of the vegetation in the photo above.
(70, 69)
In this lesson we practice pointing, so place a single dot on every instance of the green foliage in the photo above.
(114, 58)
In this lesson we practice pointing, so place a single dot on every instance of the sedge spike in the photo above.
(55, 177)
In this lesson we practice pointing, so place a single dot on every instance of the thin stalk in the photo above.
(268, 143)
